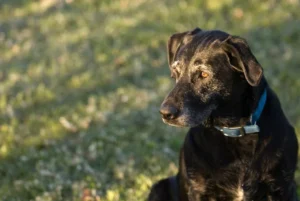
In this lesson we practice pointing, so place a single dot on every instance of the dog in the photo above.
(240, 146)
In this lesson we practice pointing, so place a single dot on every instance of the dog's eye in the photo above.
(204, 74)
(199, 75)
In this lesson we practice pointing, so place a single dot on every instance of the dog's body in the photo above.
(219, 83)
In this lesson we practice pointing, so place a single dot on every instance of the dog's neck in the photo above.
(246, 108)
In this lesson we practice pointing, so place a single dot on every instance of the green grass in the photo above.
(82, 81)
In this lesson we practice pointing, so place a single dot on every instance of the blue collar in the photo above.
(248, 129)
(261, 104)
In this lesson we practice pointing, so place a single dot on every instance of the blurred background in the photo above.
(81, 82)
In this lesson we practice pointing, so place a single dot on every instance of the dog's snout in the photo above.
(168, 112)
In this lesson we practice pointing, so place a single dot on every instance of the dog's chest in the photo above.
(227, 175)
(230, 188)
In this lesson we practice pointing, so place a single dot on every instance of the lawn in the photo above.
(81, 82)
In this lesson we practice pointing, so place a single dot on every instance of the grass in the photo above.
(82, 81)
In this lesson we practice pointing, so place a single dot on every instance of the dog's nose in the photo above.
(168, 112)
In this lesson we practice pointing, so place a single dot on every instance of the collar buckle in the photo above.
(238, 131)
(232, 131)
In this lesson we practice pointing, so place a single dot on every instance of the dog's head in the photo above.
(212, 70)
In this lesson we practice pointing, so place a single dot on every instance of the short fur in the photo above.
(213, 167)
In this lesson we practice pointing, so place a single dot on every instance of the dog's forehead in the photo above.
(207, 38)
(202, 46)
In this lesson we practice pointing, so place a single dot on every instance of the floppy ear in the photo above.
(177, 40)
(241, 58)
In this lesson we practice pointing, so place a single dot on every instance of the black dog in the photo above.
(240, 146)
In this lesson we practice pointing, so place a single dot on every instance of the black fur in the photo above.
(219, 83)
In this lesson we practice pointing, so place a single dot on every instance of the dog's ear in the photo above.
(241, 58)
(177, 40)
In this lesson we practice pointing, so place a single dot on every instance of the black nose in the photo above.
(168, 112)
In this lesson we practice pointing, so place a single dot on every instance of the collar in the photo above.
(252, 127)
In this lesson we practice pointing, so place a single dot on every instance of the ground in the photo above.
(81, 83)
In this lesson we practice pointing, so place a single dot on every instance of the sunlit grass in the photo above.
(82, 81)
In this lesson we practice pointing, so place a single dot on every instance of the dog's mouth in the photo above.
(180, 121)
(189, 118)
